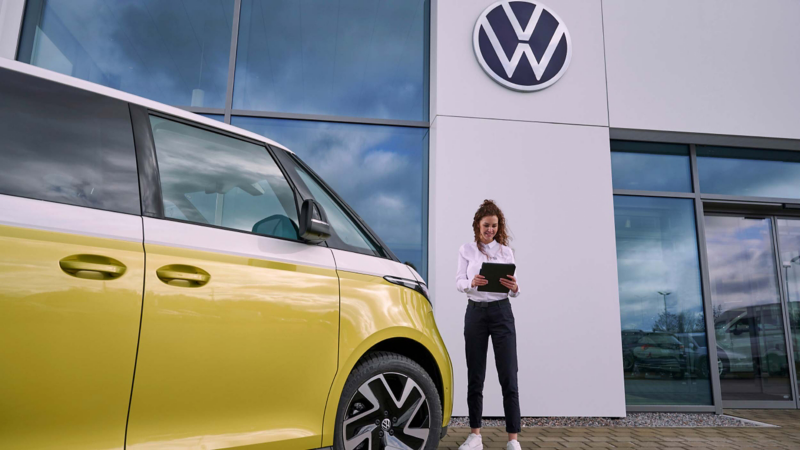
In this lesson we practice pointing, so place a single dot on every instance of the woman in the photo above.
(489, 314)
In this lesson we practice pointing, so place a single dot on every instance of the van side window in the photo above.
(212, 179)
(63, 144)
(342, 225)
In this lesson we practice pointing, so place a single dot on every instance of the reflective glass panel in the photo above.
(358, 58)
(647, 166)
(217, 117)
(344, 228)
(789, 242)
(380, 171)
(748, 321)
(212, 179)
(664, 345)
(175, 52)
(66, 145)
(748, 172)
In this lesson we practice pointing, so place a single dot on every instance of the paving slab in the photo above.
(784, 435)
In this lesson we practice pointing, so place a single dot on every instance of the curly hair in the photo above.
(489, 208)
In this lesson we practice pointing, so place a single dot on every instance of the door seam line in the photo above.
(138, 339)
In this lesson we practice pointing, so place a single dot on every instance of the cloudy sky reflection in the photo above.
(741, 262)
(656, 251)
(359, 58)
(174, 51)
(753, 173)
(378, 170)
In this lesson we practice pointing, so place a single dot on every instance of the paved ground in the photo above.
(787, 436)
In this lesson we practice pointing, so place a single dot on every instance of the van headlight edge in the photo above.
(414, 285)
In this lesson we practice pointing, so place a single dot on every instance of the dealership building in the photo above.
(646, 156)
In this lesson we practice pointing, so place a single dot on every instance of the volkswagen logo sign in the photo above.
(386, 424)
(522, 44)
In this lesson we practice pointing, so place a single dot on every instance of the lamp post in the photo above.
(664, 294)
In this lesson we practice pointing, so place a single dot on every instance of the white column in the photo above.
(545, 158)
(11, 12)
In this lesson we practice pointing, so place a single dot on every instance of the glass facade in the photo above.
(361, 59)
(174, 52)
(380, 171)
(357, 58)
(748, 320)
(664, 345)
(789, 241)
(644, 166)
(749, 172)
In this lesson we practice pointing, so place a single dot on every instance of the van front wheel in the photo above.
(388, 402)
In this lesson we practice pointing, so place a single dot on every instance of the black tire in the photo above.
(383, 378)
(704, 370)
(627, 362)
(723, 365)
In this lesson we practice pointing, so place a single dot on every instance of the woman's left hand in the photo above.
(510, 284)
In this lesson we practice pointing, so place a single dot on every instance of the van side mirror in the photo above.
(314, 227)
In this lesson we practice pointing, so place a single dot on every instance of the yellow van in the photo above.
(171, 282)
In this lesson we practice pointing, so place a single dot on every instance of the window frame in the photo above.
(150, 175)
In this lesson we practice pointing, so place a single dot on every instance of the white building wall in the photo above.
(464, 90)
(712, 66)
(544, 157)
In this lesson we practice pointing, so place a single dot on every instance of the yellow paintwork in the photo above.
(67, 344)
(256, 357)
(246, 359)
(374, 310)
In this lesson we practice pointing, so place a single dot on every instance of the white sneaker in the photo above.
(473, 442)
(513, 445)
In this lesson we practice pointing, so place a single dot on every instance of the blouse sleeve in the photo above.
(463, 283)
(519, 289)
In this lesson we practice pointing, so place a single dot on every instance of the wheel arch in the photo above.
(407, 342)
(416, 352)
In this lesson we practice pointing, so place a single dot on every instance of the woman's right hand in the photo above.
(479, 280)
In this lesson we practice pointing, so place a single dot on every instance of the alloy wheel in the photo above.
(388, 412)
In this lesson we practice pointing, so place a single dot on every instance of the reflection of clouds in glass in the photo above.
(741, 262)
(377, 170)
(656, 251)
(66, 145)
(650, 172)
(789, 240)
(748, 177)
(215, 179)
(360, 58)
(175, 52)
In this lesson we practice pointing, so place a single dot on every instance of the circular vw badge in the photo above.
(522, 44)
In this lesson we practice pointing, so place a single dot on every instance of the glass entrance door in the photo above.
(747, 300)
(789, 244)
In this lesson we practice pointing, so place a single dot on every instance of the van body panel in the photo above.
(245, 359)
(374, 310)
(251, 350)
(68, 342)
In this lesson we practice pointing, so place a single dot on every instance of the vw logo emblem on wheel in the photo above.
(522, 44)
(386, 424)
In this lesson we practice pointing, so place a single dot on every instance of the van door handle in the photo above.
(92, 267)
(183, 276)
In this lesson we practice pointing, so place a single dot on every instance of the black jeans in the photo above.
(494, 319)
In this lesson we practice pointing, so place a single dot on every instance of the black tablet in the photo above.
(493, 272)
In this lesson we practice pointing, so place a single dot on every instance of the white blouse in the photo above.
(470, 260)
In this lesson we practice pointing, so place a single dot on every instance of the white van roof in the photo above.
(39, 72)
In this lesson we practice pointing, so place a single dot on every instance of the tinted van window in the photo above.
(212, 179)
(66, 145)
